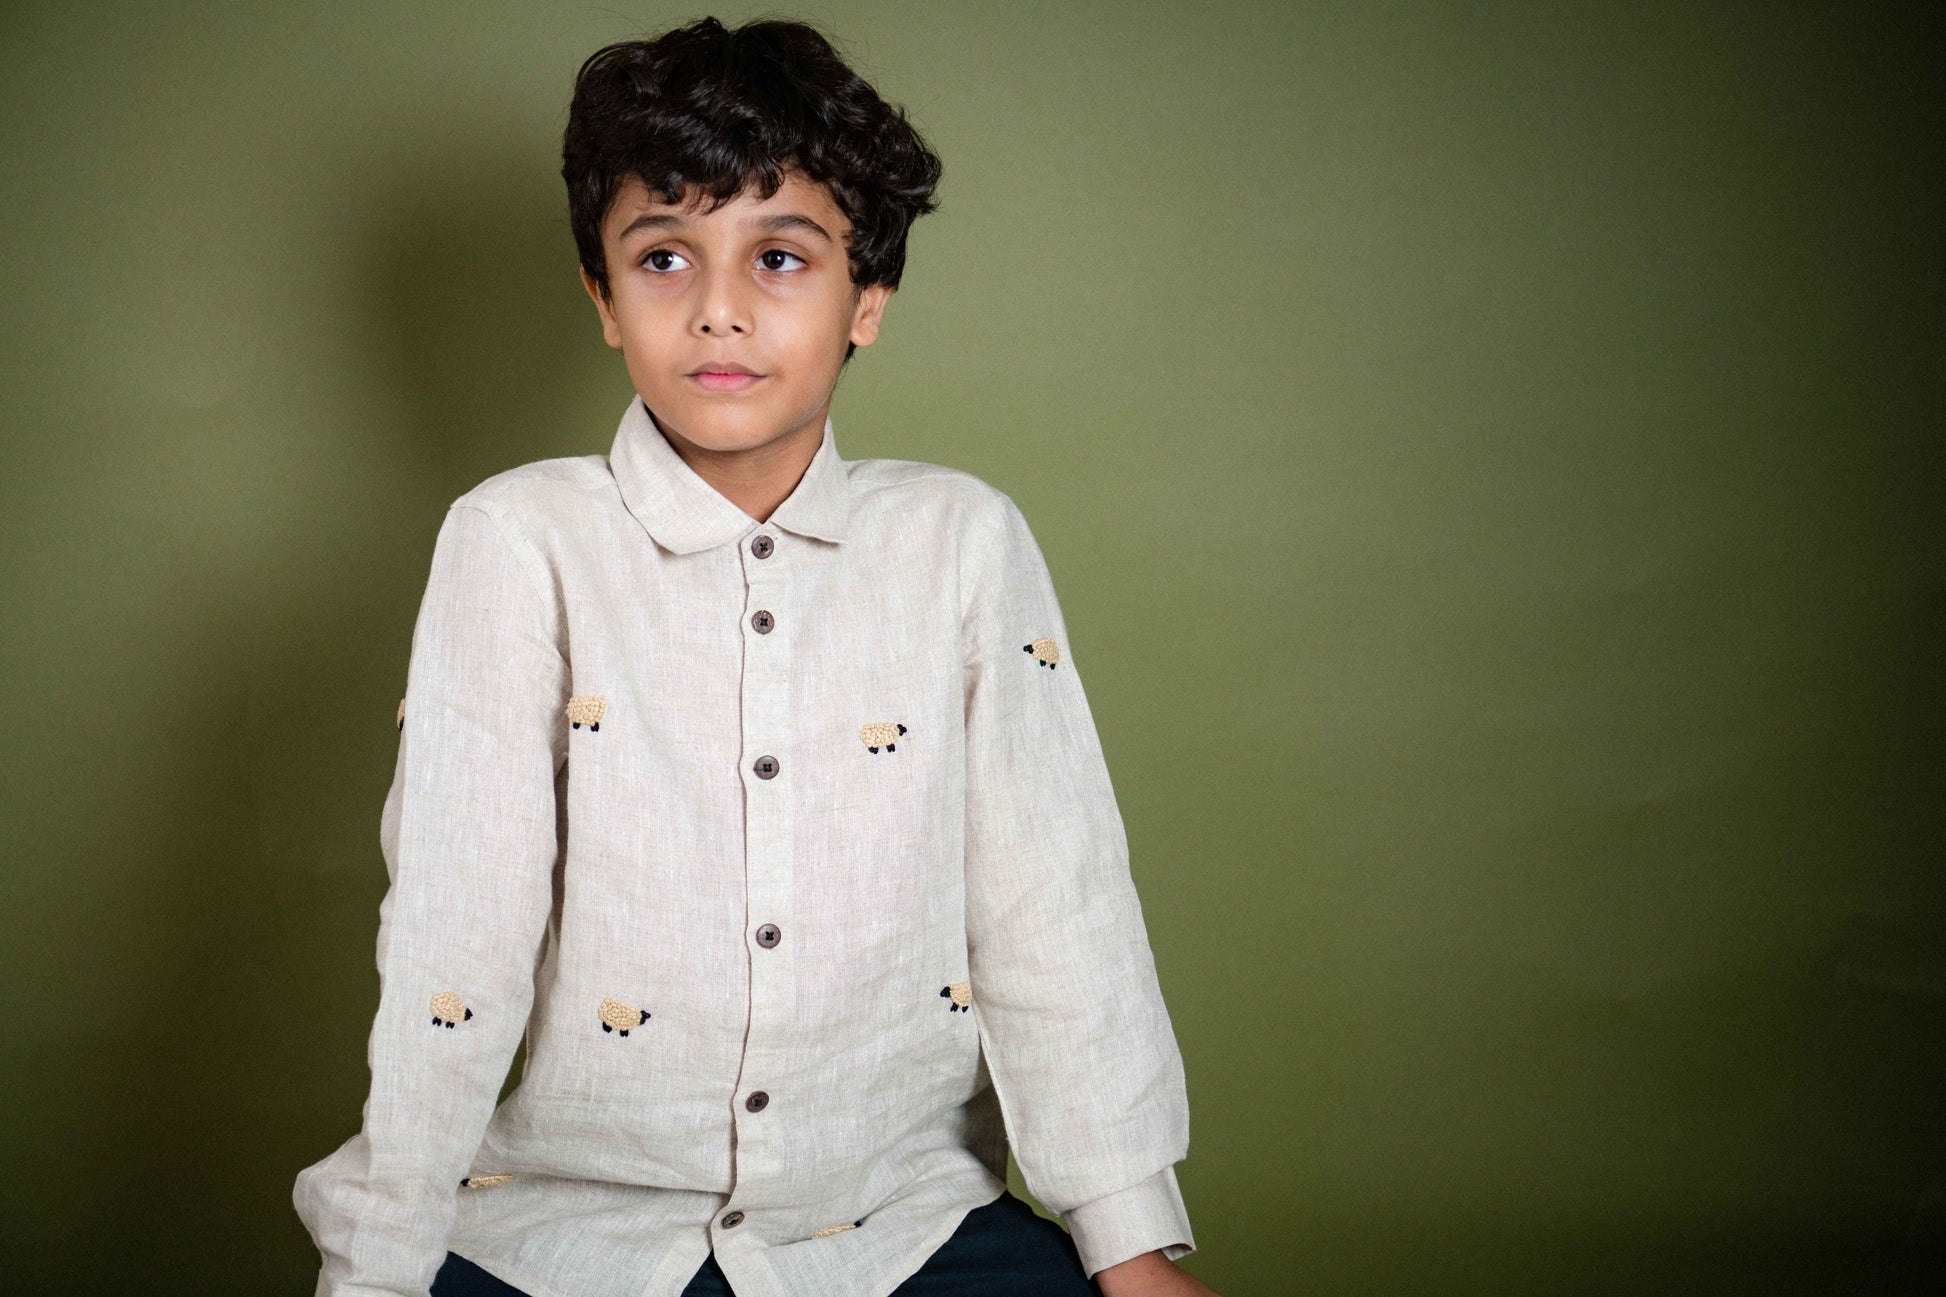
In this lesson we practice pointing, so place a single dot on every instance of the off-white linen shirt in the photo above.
(790, 848)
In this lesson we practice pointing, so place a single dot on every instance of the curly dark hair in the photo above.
(726, 110)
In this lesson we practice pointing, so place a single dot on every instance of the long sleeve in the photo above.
(469, 837)
(1071, 1016)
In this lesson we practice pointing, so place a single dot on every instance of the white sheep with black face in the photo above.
(586, 709)
(448, 1010)
(485, 1181)
(1046, 652)
(621, 1016)
(961, 995)
(881, 734)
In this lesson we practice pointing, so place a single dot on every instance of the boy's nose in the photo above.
(721, 307)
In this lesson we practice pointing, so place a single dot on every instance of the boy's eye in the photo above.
(649, 259)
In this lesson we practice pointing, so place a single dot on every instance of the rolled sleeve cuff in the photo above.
(1145, 1217)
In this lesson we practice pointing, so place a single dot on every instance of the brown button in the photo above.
(733, 1220)
(769, 935)
(762, 620)
(766, 767)
(757, 1101)
(761, 545)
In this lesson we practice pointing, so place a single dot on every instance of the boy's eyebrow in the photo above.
(781, 221)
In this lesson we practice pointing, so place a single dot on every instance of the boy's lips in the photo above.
(719, 380)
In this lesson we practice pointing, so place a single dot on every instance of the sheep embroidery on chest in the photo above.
(1045, 651)
(449, 1010)
(961, 995)
(586, 709)
(620, 1016)
(881, 734)
(484, 1181)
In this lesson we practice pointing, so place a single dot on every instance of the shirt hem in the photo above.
(530, 1286)
(916, 1259)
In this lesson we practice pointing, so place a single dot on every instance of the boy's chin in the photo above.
(718, 424)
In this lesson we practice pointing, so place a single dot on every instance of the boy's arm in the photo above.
(469, 839)
(1077, 1039)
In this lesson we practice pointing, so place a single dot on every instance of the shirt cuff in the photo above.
(1145, 1217)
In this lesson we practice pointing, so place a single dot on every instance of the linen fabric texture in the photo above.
(810, 934)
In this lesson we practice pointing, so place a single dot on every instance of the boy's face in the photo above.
(761, 285)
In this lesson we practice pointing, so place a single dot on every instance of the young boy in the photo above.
(757, 789)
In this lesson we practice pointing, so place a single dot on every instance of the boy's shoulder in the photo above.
(914, 479)
(540, 487)
(959, 509)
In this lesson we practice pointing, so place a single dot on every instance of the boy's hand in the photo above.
(1150, 1275)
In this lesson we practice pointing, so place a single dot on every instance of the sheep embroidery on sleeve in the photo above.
(401, 715)
(484, 1181)
(881, 734)
(836, 1229)
(586, 709)
(449, 1010)
(621, 1016)
(1046, 652)
(961, 995)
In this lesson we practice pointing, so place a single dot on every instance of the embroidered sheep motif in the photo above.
(484, 1181)
(837, 1229)
(881, 734)
(448, 1010)
(961, 994)
(1045, 651)
(586, 709)
(619, 1015)
(402, 715)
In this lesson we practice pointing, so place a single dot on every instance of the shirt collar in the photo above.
(684, 513)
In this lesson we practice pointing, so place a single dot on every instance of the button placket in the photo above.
(768, 562)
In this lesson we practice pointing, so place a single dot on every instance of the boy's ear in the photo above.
(870, 310)
(610, 331)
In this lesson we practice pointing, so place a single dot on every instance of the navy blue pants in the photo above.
(1001, 1248)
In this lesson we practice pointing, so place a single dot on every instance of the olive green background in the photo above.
(1487, 454)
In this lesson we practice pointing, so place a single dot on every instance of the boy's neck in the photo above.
(756, 479)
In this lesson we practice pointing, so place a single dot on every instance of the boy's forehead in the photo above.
(634, 199)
